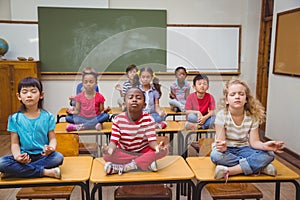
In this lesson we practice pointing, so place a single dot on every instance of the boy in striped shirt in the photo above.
(133, 139)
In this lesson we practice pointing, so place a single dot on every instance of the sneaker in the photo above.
(110, 168)
(269, 170)
(74, 127)
(57, 173)
(153, 166)
(130, 166)
(221, 172)
(98, 127)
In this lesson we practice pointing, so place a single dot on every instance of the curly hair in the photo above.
(252, 107)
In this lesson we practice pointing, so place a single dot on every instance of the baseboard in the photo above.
(288, 155)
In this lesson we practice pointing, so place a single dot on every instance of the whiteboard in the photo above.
(22, 39)
(203, 48)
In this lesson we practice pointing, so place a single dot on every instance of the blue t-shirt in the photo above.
(33, 133)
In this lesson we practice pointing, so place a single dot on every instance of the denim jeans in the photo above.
(157, 118)
(251, 160)
(177, 104)
(12, 168)
(88, 123)
(209, 123)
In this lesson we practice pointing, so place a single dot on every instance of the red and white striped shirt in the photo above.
(133, 136)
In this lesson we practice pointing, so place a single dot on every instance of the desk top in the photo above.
(170, 168)
(61, 128)
(204, 169)
(73, 169)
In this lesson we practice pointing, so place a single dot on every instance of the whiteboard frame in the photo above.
(214, 44)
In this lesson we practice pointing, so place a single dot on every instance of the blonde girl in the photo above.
(237, 148)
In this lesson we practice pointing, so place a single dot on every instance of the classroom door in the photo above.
(264, 53)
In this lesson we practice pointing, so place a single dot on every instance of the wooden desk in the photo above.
(204, 169)
(74, 170)
(171, 112)
(171, 169)
(208, 133)
(172, 128)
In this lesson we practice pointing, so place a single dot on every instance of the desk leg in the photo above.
(277, 190)
(95, 188)
(197, 194)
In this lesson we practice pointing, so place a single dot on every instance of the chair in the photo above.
(145, 191)
(228, 190)
(68, 145)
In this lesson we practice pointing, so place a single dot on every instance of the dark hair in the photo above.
(131, 67)
(137, 89)
(200, 77)
(179, 68)
(136, 81)
(155, 80)
(89, 71)
(30, 82)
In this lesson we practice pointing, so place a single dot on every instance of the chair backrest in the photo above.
(205, 146)
(67, 144)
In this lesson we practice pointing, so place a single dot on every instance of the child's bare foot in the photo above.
(54, 172)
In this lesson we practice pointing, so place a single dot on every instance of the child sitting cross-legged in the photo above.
(133, 138)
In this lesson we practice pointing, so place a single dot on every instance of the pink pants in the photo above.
(143, 159)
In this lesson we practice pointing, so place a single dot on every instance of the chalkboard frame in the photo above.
(146, 27)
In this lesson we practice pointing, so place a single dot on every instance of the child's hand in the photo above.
(276, 146)
(161, 112)
(161, 147)
(106, 149)
(23, 158)
(221, 145)
(47, 150)
(172, 95)
(107, 109)
(71, 98)
(71, 110)
(118, 87)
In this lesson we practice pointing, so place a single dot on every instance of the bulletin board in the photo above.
(287, 44)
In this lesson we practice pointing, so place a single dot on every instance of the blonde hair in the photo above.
(252, 107)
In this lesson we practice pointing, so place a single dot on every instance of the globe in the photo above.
(3, 47)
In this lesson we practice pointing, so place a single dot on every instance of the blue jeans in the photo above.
(251, 160)
(209, 123)
(88, 123)
(157, 118)
(177, 104)
(12, 168)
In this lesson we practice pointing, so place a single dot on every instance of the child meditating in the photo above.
(89, 112)
(200, 105)
(33, 141)
(237, 148)
(133, 138)
(131, 71)
(179, 90)
(151, 88)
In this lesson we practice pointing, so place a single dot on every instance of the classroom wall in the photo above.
(284, 97)
(245, 13)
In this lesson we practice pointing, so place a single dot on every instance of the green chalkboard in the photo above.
(106, 39)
